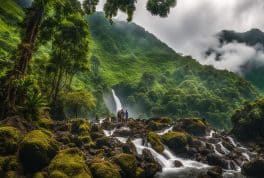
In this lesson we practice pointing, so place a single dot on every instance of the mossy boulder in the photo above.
(154, 140)
(39, 175)
(9, 139)
(80, 126)
(127, 163)
(140, 173)
(254, 168)
(69, 163)
(45, 122)
(8, 163)
(156, 124)
(195, 126)
(37, 149)
(176, 140)
(248, 122)
(104, 169)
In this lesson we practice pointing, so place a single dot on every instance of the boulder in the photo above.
(176, 140)
(196, 127)
(37, 149)
(80, 126)
(9, 138)
(69, 163)
(177, 163)
(154, 140)
(149, 164)
(104, 169)
(254, 168)
(127, 163)
(215, 160)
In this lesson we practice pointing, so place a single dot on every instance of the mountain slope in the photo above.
(152, 80)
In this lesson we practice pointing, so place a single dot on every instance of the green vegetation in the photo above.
(9, 139)
(249, 121)
(37, 149)
(152, 80)
(104, 169)
(69, 163)
(154, 140)
(127, 163)
(176, 140)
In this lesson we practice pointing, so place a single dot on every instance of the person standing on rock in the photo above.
(126, 115)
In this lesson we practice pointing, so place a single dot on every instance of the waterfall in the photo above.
(117, 101)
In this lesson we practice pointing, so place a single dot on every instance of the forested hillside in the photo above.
(153, 80)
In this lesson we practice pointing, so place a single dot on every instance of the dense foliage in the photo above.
(249, 121)
(151, 79)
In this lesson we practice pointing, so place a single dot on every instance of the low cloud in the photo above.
(236, 57)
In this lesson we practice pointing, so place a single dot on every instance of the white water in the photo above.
(216, 152)
(109, 133)
(117, 101)
(226, 151)
(232, 141)
(211, 134)
(165, 131)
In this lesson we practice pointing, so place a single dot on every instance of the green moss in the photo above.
(154, 140)
(57, 174)
(176, 140)
(71, 163)
(45, 122)
(140, 172)
(80, 126)
(37, 149)
(104, 169)
(9, 138)
(38, 175)
(9, 163)
(11, 174)
(127, 163)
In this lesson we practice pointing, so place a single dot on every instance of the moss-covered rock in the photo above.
(154, 140)
(37, 149)
(39, 175)
(45, 122)
(176, 140)
(156, 124)
(8, 163)
(9, 138)
(140, 172)
(80, 126)
(104, 169)
(195, 126)
(127, 163)
(248, 122)
(69, 163)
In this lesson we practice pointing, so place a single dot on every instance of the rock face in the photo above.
(254, 168)
(154, 140)
(37, 149)
(149, 164)
(249, 121)
(176, 141)
(196, 127)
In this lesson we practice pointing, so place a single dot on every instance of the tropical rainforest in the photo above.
(59, 61)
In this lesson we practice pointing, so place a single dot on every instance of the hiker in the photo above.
(126, 115)
(122, 114)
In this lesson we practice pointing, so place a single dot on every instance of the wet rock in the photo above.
(196, 127)
(157, 124)
(176, 141)
(154, 140)
(215, 160)
(215, 172)
(149, 164)
(177, 163)
(129, 148)
(254, 168)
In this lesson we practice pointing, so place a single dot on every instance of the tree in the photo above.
(78, 102)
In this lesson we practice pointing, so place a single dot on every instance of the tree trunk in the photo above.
(10, 96)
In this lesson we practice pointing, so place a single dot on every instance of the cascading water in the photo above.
(117, 101)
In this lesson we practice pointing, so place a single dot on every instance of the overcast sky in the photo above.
(191, 26)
